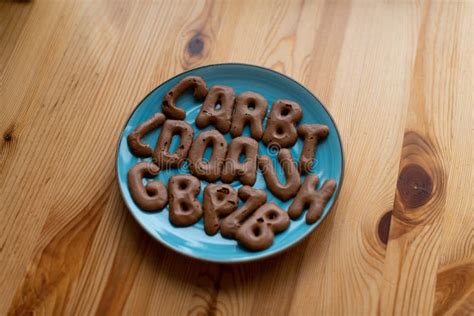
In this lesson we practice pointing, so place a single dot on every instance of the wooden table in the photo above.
(397, 76)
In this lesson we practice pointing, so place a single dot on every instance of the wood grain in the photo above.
(397, 76)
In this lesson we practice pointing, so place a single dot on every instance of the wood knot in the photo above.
(414, 186)
(8, 134)
(7, 137)
(384, 227)
(195, 45)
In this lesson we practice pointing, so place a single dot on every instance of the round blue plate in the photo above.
(193, 241)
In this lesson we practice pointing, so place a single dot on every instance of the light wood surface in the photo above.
(398, 77)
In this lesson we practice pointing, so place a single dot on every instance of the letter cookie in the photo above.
(152, 196)
(135, 142)
(250, 108)
(257, 232)
(185, 209)
(282, 191)
(253, 200)
(281, 122)
(211, 170)
(217, 109)
(219, 200)
(243, 171)
(168, 105)
(161, 156)
(311, 133)
(314, 199)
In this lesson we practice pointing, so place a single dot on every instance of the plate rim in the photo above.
(231, 260)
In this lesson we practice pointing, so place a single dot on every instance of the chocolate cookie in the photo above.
(168, 105)
(253, 199)
(311, 134)
(282, 191)
(314, 200)
(219, 200)
(185, 209)
(217, 109)
(153, 195)
(250, 108)
(162, 156)
(134, 139)
(280, 129)
(258, 231)
(243, 171)
(211, 170)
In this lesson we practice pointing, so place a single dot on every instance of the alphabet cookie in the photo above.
(169, 107)
(217, 109)
(152, 196)
(311, 133)
(258, 231)
(315, 200)
(283, 191)
(219, 200)
(211, 158)
(243, 171)
(250, 108)
(134, 139)
(253, 200)
(211, 170)
(281, 122)
(162, 156)
(185, 209)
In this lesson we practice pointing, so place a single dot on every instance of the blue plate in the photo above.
(193, 241)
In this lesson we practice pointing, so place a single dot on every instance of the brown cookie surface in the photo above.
(218, 200)
(152, 196)
(184, 208)
(217, 109)
(281, 124)
(210, 170)
(253, 198)
(169, 106)
(283, 191)
(134, 139)
(250, 108)
(162, 156)
(314, 199)
(258, 231)
(245, 171)
(311, 134)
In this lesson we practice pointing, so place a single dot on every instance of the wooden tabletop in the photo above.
(398, 77)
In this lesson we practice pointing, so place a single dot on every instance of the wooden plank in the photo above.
(426, 169)
(12, 21)
(343, 261)
(455, 276)
(397, 77)
(54, 116)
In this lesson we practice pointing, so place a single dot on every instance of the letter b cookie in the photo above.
(258, 231)
(281, 123)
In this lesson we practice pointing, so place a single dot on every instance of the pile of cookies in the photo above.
(255, 223)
